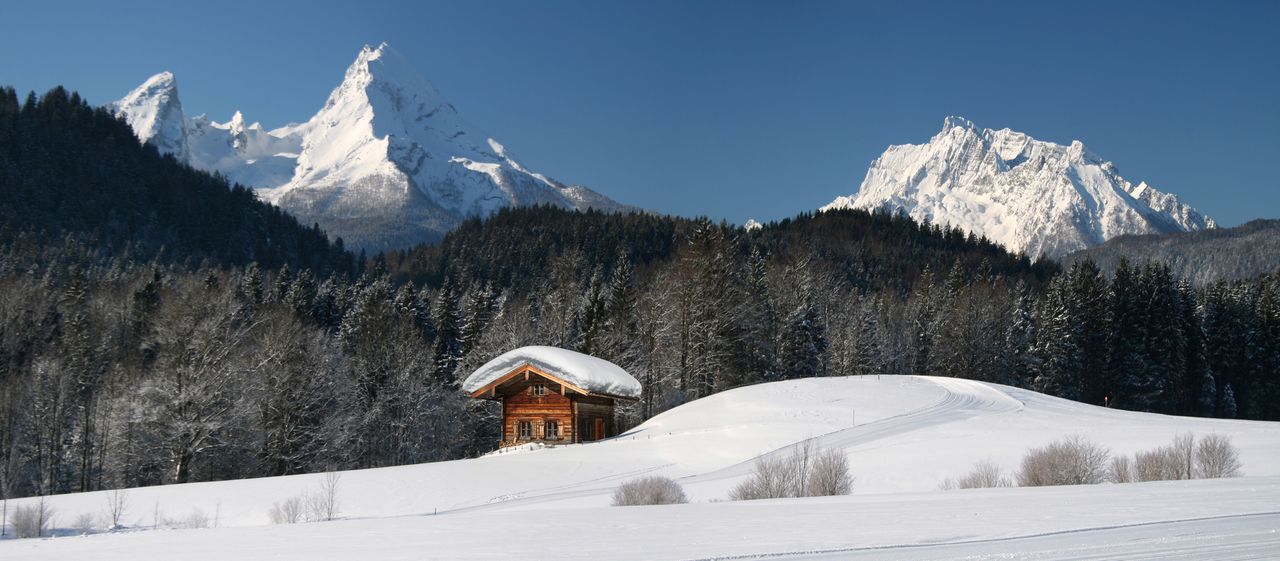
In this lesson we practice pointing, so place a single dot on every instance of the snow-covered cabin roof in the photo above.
(594, 375)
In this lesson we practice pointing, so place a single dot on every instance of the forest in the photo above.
(137, 348)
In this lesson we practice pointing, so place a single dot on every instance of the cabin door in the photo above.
(599, 432)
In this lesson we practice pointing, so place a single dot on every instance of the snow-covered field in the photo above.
(903, 436)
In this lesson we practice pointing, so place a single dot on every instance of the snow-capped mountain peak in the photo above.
(154, 112)
(386, 162)
(1032, 196)
(389, 162)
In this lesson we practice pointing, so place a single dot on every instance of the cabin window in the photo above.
(525, 429)
(551, 430)
(539, 389)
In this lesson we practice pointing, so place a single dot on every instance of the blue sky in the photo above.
(727, 109)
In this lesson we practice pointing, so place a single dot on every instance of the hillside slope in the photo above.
(67, 169)
(1244, 251)
(903, 436)
(901, 433)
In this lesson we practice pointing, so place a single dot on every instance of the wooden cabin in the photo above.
(553, 396)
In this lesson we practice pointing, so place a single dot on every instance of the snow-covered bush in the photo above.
(31, 520)
(829, 475)
(1159, 464)
(1186, 458)
(288, 511)
(771, 480)
(316, 506)
(1217, 457)
(196, 519)
(985, 474)
(653, 490)
(1121, 470)
(1074, 460)
(84, 523)
(804, 472)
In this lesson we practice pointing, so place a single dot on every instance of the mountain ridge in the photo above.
(386, 163)
(1035, 197)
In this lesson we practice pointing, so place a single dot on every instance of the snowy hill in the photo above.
(903, 437)
(386, 163)
(1031, 196)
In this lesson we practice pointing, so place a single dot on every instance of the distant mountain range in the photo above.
(386, 163)
(1241, 252)
(1034, 197)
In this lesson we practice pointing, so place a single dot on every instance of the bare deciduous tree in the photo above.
(1217, 457)
(1071, 461)
(829, 475)
(1158, 464)
(117, 505)
(289, 511)
(1121, 469)
(323, 505)
(31, 520)
(804, 471)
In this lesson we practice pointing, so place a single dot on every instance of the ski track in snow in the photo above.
(1240, 537)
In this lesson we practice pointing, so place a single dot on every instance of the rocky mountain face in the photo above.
(1032, 196)
(386, 163)
(155, 113)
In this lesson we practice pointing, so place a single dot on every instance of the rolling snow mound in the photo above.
(901, 434)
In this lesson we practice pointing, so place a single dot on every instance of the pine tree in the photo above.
(1059, 349)
(448, 320)
(1088, 308)
(1196, 389)
(804, 342)
(759, 323)
(1228, 406)
(1020, 362)
(591, 315)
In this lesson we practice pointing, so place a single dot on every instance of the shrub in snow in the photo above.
(985, 474)
(31, 521)
(1183, 450)
(323, 504)
(1071, 461)
(196, 519)
(654, 490)
(1187, 458)
(1159, 464)
(804, 472)
(288, 511)
(1121, 470)
(770, 480)
(84, 523)
(829, 475)
(1217, 457)
(117, 504)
